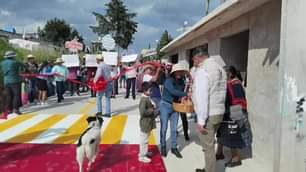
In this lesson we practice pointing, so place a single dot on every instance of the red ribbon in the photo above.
(101, 84)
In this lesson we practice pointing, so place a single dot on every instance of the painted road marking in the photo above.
(114, 131)
(15, 121)
(66, 129)
(34, 131)
(88, 107)
(17, 129)
(73, 133)
(131, 136)
(55, 131)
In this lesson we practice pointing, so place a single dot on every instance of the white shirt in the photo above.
(200, 92)
(147, 78)
(131, 72)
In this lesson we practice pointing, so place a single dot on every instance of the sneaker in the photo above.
(107, 115)
(144, 159)
(176, 153)
(149, 154)
(17, 112)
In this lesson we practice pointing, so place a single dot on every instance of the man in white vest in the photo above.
(208, 96)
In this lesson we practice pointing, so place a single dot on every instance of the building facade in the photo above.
(252, 35)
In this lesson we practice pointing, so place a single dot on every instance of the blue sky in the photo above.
(153, 16)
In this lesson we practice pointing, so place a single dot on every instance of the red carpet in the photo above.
(61, 158)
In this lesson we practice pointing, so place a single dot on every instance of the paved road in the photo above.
(46, 135)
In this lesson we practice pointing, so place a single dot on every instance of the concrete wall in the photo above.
(263, 72)
(293, 84)
(263, 24)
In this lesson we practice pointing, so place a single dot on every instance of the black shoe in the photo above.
(107, 115)
(163, 151)
(187, 138)
(232, 164)
(176, 153)
(126, 97)
(149, 154)
(200, 170)
(17, 112)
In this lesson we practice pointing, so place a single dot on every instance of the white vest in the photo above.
(217, 86)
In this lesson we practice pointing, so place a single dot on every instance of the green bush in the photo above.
(40, 54)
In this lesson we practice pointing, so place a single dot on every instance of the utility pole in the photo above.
(207, 4)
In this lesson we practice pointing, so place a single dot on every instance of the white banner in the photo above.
(90, 60)
(110, 58)
(71, 60)
(129, 58)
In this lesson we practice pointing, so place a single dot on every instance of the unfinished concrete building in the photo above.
(265, 40)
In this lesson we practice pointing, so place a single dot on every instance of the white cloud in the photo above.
(30, 27)
(146, 29)
(5, 13)
(144, 10)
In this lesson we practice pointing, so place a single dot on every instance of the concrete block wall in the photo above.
(263, 74)
(264, 25)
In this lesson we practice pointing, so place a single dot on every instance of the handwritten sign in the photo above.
(110, 58)
(71, 60)
(90, 60)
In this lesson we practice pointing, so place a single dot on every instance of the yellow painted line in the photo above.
(73, 133)
(152, 139)
(36, 130)
(12, 122)
(114, 130)
(88, 107)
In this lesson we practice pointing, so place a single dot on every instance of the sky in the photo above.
(153, 16)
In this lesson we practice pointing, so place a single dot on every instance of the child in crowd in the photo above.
(148, 113)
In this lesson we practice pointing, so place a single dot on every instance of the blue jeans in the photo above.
(167, 113)
(107, 93)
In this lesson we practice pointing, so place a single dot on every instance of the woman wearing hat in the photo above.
(172, 92)
(61, 73)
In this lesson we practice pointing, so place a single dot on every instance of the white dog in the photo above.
(88, 144)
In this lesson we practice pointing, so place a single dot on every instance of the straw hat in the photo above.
(59, 60)
(179, 67)
(30, 56)
(152, 67)
(10, 54)
(99, 57)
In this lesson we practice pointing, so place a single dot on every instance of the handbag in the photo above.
(229, 129)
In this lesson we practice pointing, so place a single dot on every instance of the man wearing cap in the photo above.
(61, 74)
(11, 70)
(208, 96)
(104, 71)
(173, 87)
(32, 68)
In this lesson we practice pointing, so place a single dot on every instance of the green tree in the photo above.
(118, 22)
(164, 40)
(56, 31)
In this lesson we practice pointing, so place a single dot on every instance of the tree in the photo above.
(118, 22)
(56, 31)
(164, 40)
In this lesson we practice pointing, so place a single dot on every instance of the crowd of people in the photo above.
(220, 109)
(217, 94)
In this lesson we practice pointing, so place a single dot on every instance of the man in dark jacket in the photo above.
(12, 81)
